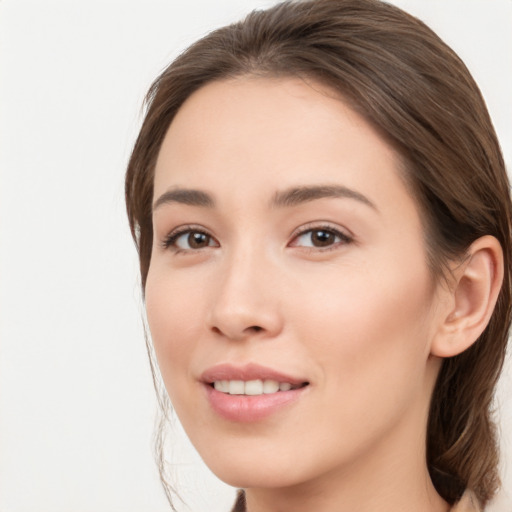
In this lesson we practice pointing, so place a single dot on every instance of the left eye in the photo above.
(321, 238)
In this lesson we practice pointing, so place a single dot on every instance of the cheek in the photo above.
(366, 327)
(173, 322)
(369, 340)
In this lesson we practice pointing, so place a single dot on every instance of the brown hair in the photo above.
(414, 89)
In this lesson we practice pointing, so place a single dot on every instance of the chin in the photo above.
(253, 477)
(254, 467)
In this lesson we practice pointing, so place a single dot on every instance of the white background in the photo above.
(76, 399)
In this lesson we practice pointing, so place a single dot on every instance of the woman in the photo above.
(322, 215)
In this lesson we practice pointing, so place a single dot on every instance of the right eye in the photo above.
(189, 240)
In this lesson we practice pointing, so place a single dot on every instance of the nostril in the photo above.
(252, 328)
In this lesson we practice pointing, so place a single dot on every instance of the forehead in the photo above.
(246, 133)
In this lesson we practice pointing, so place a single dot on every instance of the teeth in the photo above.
(270, 386)
(251, 387)
(254, 387)
(222, 385)
(236, 387)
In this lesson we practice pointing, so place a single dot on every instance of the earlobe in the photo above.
(477, 282)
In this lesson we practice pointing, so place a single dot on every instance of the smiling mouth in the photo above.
(254, 387)
(251, 392)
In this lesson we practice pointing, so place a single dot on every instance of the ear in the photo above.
(472, 297)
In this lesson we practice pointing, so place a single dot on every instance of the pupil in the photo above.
(322, 238)
(197, 240)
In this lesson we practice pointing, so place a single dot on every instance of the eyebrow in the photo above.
(187, 196)
(286, 198)
(298, 195)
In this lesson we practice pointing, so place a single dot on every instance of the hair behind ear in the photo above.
(460, 406)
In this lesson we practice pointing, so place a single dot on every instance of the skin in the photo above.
(356, 318)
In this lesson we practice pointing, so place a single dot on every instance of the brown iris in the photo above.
(198, 240)
(322, 238)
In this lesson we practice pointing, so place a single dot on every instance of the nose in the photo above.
(246, 302)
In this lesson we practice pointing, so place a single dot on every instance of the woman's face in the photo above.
(288, 253)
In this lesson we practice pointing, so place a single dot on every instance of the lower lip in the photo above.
(246, 408)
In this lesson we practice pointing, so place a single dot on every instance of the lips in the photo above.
(251, 392)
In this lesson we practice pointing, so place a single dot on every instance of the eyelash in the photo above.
(169, 242)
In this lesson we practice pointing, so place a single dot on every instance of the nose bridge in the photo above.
(246, 299)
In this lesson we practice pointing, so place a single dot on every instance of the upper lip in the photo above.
(251, 371)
